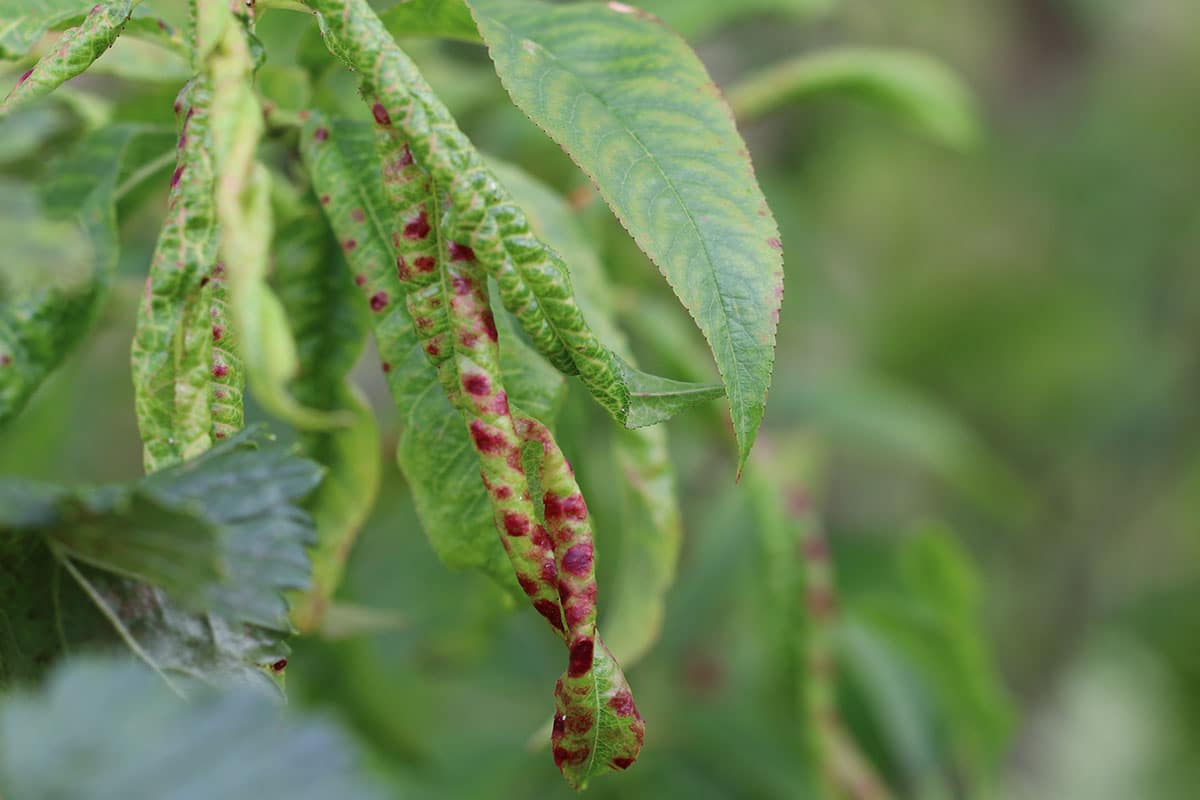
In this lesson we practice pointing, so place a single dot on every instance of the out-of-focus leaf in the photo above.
(697, 19)
(23, 132)
(223, 533)
(916, 87)
(22, 22)
(329, 319)
(449, 19)
(136, 58)
(60, 257)
(435, 450)
(73, 53)
(636, 109)
(934, 624)
(105, 729)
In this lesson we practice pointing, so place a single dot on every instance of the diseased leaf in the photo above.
(22, 22)
(73, 53)
(652, 527)
(185, 372)
(435, 451)
(636, 109)
(244, 219)
(233, 744)
(61, 254)
(448, 19)
(533, 281)
(916, 87)
(329, 319)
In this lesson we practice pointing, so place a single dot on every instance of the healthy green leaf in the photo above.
(22, 22)
(329, 319)
(102, 729)
(73, 53)
(636, 109)
(917, 88)
(448, 19)
(533, 281)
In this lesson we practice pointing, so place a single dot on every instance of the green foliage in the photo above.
(295, 222)
(919, 89)
(45, 754)
(636, 109)
(76, 51)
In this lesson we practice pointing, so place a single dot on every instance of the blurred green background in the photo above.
(988, 368)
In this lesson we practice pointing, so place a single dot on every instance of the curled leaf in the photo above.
(73, 53)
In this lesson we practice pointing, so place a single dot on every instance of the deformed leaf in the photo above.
(244, 219)
(73, 53)
(916, 87)
(435, 451)
(103, 729)
(636, 109)
(652, 531)
(533, 281)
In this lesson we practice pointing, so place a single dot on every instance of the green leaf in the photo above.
(104, 729)
(636, 109)
(186, 375)
(448, 19)
(533, 281)
(73, 53)
(329, 318)
(696, 20)
(61, 254)
(244, 219)
(435, 451)
(929, 618)
(652, 526)
(23, 22)
(243, 495)
(915, 87)
(220, 533)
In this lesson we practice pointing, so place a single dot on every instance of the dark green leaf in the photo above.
(449, 19)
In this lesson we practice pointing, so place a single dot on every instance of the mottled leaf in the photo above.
(103, 729)
(185, 372)
(636, 109)
(73, 53)
(532, 279)
(916, 87)
(435, 451)
(651, 531)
